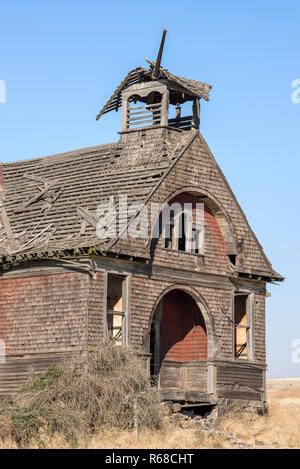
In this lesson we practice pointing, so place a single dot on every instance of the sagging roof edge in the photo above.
(65, 255)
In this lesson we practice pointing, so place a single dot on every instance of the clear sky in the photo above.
(61, 60)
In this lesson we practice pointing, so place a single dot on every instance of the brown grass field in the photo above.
(279, 429)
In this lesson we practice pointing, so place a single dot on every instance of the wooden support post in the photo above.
(125, 108)
(165, 108)
(128, 310)
(211, 378)
(105, 281)
(196, 113)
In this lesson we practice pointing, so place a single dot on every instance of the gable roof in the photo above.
(46, 221)
(50, 203)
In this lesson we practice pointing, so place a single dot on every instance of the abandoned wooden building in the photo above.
(194, 311)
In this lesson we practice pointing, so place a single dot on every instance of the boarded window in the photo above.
(241, 326)
(116, 308)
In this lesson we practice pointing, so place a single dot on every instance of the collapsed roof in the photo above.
(184, 89)
(50, 203)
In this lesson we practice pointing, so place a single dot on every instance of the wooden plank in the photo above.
(169, 376)
(40, 194)
(87, 216)
(143, 113)
(197, 378)
(17, 369)
(147, 106)
(36, 178)
(7, 227)
(251, 396)
(144, 117)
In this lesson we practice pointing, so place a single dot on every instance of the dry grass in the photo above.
(100, 389)
(169, 436)
(279, 429)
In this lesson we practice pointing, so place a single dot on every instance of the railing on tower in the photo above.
(146, 115)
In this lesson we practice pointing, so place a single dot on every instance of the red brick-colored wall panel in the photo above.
(96, 309)
(183, 333)
(46, 313)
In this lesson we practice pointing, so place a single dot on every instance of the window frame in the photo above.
(176, 229)
(126, 306)
(250, 337)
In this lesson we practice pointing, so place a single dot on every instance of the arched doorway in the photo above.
(178, 332)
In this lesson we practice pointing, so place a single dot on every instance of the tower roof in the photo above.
(183, 86)
(183, 89)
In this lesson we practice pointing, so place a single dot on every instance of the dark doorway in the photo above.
(178, 332)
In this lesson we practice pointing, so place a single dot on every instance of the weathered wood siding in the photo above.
(240, 381)
(186, 376)
(42, 319)
(197, 171)
(96, 295)
(260, 328)
(43, 313)
(145, 293)
(61, 313)
(18, 367)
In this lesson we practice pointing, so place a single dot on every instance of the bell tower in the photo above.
(153, 98)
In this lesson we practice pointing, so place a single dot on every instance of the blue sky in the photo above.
(61, 60)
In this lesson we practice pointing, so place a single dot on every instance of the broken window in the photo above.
(242, 322)
(197, 240)
(232, 258)
(169, 236)
(184, 234)
(116, 308)
(182, 221)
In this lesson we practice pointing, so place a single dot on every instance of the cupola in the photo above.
(147, 95)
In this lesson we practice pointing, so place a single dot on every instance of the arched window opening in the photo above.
(182, 225)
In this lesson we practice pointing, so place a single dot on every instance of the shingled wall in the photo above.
(44, 313)
(198, 169)
(61, 313)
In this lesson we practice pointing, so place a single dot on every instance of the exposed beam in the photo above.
(156, 71)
